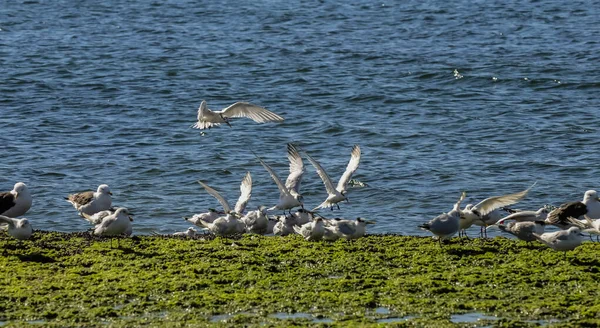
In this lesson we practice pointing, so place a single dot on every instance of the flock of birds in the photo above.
(96, 207)
(571, 218)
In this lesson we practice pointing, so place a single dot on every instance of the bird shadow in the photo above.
(38, 258)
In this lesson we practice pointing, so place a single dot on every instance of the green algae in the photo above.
(60, 279)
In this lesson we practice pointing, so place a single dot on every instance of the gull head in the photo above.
(590, 194)
(573, 231)
(18, 189)
(363, 221)
(122, 211)
(22, 223)
(104, 189)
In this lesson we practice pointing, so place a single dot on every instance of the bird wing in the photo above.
(256, 113)
(6, 220)
(283, 190)
(490, 204)
(202, 109)
(460, 199)
(97, 217)
(346, 228)
(350, 169)
(296, 169)
(562, 213)
(321, 172)
(7, 200)
(81, 198)
(106, 222)
(216, 195)
(245, 193)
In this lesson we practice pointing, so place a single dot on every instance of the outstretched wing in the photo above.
(462, 197)
(245, 192)
(490, 204)
(321, 172)
(6, 220)
(216, 195)
(283, 191)
(204, 117)
(350, 169)
(296, 169)
(256, 113)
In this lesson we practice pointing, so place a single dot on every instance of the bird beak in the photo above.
(598, 199)
(110, 193)
(130, 218)
(370, 222)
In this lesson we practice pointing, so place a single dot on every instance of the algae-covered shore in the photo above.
(76, 279)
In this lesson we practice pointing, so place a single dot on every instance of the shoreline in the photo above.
(75, 279)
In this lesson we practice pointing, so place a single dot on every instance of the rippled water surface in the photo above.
(483, 96)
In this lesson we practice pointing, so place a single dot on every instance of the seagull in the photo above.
(245, 193)
(18, 228)
(337, 194)
(287, 200)
(90, 202)
(225, 225)
(97, 218)
(446, 225)
(15, 202)
(292, 183)
(208, 118)
(118, 223)
(523, 230)
(563, 240)
(311, 231)
(477, 213)
(284, 226)
(209, 217)
(590, 206)
(256, 221)
(350, 229)
(189, 233)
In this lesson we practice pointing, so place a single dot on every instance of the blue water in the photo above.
(482, 96)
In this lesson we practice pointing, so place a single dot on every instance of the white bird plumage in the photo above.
(18, 228)
(245, 193)
(118, 223)
(90, 202)
(338, 193)
(15, 202)
(312, 231)
(563, 240)
(287, 200)
(208, 118)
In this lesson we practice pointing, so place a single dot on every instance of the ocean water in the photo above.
(482, 96)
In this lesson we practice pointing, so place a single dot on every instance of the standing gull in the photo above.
(287, 200)
(97, 218)
(208, 118)
(563, 240)
(245, 193)
(446, 225)
(589, 206)
(18, 228)
(15, 202)
(90, 202)
(338, 193)
(284, 226)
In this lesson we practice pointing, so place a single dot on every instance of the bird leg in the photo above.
(338, 206)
